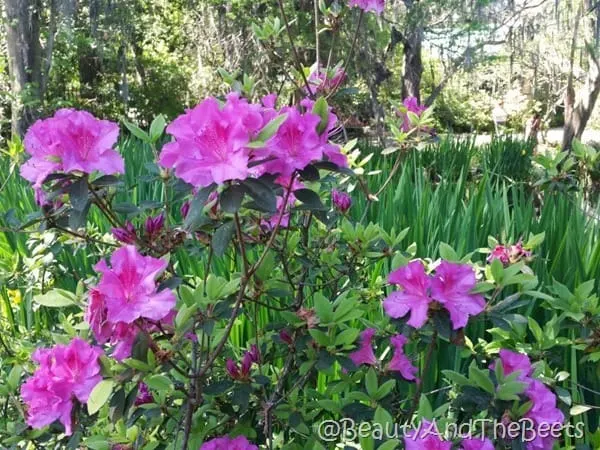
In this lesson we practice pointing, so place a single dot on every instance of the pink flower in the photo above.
(227, 443)
(508, 255)
(375, 6)
(65, 372)
(210, 142)
(143, 395)
(295, 145)
(543, 412)
(410, 104)
(323, 80)
(332, 152)
(414, 296)
(242, 372)
(477, 443)
(71, 141)
(517, 252)
(400, 361)
(425, 437)
(452, 288)
(515, 362)
(341, 201)
(501, 253)
(122, 335)
(365, 354)
(129, 287)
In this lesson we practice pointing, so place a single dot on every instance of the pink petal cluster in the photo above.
(323, 81)
(476, 444)
(143, 395)
(71, 141)
(375, 6)
(451, 287)
(425, 437)
(515, 362)
(365, 354)
(509, 254)
(227, 443)
(242, 371)
(213, 142)
(127, 292)
(296, 144)
(65, 373)
(400, 362)
(129, 287)
(543, 412)
(410, 104)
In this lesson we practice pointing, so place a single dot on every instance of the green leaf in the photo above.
(271, 128)
(196, 215)
(157, 127)
(510, 390)
(222, 237)
(347, 337)
(321, 338)
(456, 378)
(580, 409)
(262, 194)
(14, 377)
(448, 253)
(137, 131)
(159, 383)
(481, 379)
(389, 445)
(321, 109)
(371, 383)
(231, 199)
(323, 308)
(310, 199)
(56, 298)
(497, 271)
(99, 396)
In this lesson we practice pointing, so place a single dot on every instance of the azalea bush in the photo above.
(283, 338)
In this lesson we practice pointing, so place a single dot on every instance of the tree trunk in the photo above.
(578, 109)
(412, 42)
(413, 62)
(24, 61)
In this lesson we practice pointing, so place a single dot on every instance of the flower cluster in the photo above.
(509, 254)
(242, 372)
(324, 81)
(375, 6)
(216, 143)
(543, 409)
(65, 373)
(451, 288)
(127, 292)
(70, 142)
(399, 362)
(227, 443)
(428, 437)
(412, 105)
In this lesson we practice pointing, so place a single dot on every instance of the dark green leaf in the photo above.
(231, 199)
(222, 237)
